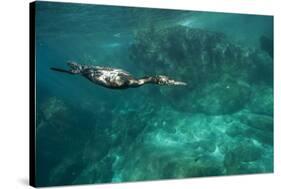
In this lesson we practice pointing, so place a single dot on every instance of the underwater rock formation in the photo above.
(53, 107)
(261, 122)
(240, 155)
(201, 58)
(262, 100)
(202, 54)
(186, 151)
(223, 97)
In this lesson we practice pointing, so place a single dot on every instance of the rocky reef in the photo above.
(216, 69)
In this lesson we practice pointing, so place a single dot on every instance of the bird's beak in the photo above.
(179, 83)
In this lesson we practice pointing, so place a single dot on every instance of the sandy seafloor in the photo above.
(221, 123)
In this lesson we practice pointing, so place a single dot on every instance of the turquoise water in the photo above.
(221, 123)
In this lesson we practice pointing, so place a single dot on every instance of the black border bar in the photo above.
(32, 174)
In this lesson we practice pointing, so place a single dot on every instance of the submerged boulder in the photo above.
(262, 100)
(215, 98)
(195, 55)
(218, 71)
(53, 107)
(261, 122)
(242, 153)
(223, 97)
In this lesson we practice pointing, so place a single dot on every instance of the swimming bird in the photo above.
(114, 78)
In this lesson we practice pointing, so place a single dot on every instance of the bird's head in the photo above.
(75, 68)
(164, 80)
